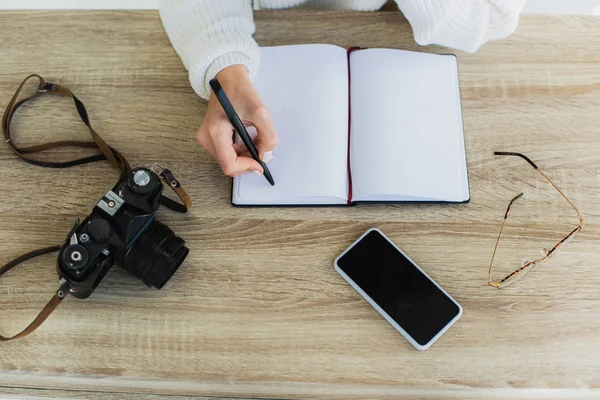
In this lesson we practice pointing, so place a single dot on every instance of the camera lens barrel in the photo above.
(156, 255)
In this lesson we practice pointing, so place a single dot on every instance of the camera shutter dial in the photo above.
(141, 181)
(141, 178)
(75, 257)
(99, 230)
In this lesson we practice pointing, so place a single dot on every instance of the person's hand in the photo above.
(216, 132)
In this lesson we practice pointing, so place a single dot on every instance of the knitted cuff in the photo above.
(464, 24)
(200, 82)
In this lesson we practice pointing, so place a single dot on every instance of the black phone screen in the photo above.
(393, 282)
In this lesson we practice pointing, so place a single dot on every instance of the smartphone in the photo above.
(398, 289)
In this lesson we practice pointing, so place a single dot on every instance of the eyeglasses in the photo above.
(529, 264)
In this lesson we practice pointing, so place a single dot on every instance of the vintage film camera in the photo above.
(123, 230)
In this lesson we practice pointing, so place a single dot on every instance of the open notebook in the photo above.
(359, 125)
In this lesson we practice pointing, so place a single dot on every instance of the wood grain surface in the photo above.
(257, 309)
(42, 394)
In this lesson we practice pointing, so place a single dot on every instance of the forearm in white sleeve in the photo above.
(461, 24)
(210, 35)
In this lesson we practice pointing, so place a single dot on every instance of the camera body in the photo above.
(123, 230)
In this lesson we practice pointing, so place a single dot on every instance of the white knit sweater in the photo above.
(210, 35)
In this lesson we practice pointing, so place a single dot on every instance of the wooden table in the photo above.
(257, 309)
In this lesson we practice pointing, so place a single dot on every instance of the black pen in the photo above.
(239, 126)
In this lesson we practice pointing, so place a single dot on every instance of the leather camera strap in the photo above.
(58, 297)
(106, 152)
(169, 179)
(25, 153)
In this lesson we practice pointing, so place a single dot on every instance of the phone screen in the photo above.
(398, 287)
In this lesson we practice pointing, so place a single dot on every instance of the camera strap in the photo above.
(25, 153)
(106, 152)
(54, 302)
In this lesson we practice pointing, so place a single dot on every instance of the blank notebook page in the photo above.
(305, 89)
(406, 131)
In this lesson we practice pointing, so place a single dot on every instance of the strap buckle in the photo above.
(166, 175)
(47, 87)
(157, 169)
(169, 179)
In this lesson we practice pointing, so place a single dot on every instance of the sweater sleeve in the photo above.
(210, 35)
(461, 24)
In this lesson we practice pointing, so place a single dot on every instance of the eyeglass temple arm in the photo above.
(490, 282)
(581, 221)
(524, 157)
(510, 204)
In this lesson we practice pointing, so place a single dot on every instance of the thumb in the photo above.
(266, 138)
(247, 164)
(228, 159)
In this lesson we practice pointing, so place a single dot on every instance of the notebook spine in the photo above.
(349, 200)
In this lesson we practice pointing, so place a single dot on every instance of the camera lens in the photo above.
(156, 255)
